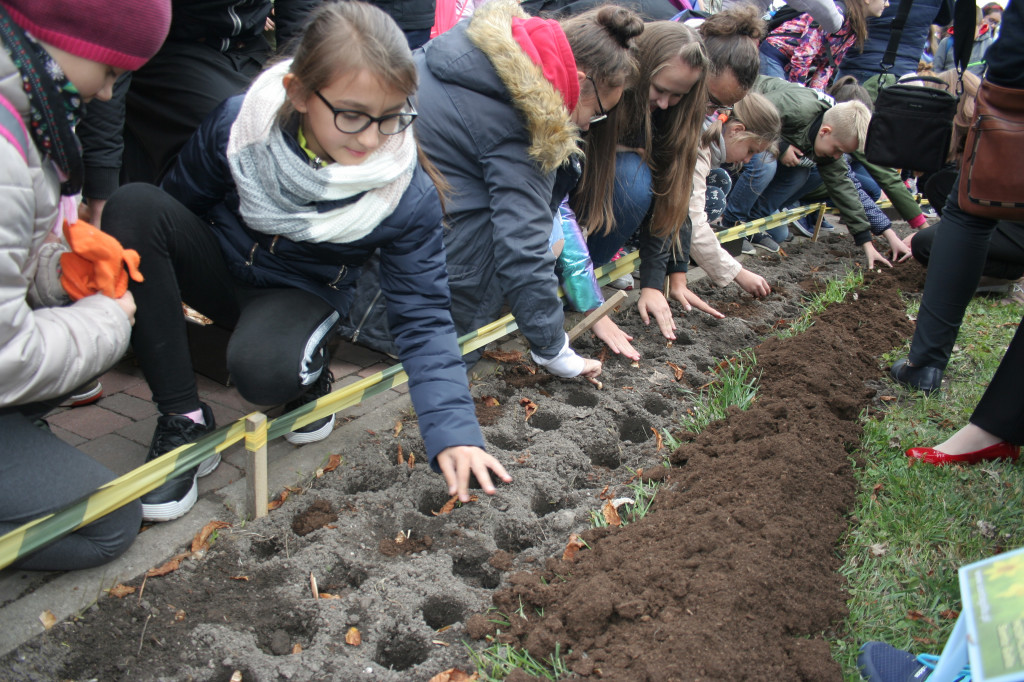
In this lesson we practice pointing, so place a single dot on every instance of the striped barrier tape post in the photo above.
(783, 217)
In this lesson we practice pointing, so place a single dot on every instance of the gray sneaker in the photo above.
(763, 241)
(747, 249)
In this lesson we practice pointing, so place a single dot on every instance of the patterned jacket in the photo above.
(813, 54)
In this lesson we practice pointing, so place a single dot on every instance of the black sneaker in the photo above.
(178, 495)
(321, 428)
(763, 241)
(881, 662)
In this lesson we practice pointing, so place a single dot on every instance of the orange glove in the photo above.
(96, 263)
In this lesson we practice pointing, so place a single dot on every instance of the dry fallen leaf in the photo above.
(170, 566)
(504, 355)
(201, 540)
(333, 462)
(47, 619)
(412, 460)
(450, 505)
(240, 577)
(454, 675)
(574, 545)
(949, 614)
(677, 370)
(530, 406)
(120, 591)
(611, 514)
(325, 595)
(401, 457)
(604, 494)
(353, 637)
(398, 427)
(490, 401)
(879, 548)
(888, 398)
(278, 501)
(297, 648)
(657, 439)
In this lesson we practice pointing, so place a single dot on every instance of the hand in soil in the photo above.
(678, 290)
(615, 338)
(752, 283)
(900, 250)
(653, 303)
(591, 368)
(457, 463)
(874, 256)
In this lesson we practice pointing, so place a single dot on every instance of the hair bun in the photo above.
(739, 20)
(623, 24)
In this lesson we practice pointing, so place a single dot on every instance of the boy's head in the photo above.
(122, 34)
(844, 129)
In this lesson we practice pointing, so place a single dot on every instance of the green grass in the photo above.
(913, 526)
(643, 497)
(736, 384)
(836, 291)
(498, 661)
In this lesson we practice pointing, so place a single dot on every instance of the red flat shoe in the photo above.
(1002, 450)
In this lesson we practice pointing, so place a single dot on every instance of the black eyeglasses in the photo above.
(716, 107)
(350, 121)
(604, 114)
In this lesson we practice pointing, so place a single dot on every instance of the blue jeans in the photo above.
(773, 62)
(631, 199)
(763, 188)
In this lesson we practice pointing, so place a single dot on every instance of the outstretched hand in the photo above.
(615, 338)
(874, 256)
(900, 250)
(458, 462)
(752, 283)
(653, 303)
(681, 292)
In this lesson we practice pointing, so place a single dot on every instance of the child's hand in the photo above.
(873, 256)
(752, 283)
(900, 251)
(127, 304)
(591, 368)
(459, 461)
(791, 157)
(678, 290)
(616, 339)
(652, 302)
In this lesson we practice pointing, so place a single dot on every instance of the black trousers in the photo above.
(275, 350)
(1004, 258)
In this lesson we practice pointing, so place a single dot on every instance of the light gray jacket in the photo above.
(47, 348)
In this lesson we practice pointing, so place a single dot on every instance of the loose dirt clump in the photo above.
(732, 576)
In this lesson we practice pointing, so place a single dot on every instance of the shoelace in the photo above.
(176, 433)
(931, 660)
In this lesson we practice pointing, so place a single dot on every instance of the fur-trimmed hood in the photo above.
(554, 138)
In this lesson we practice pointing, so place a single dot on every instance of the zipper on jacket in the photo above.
(341, 273)
(252, 253)
(369, 309)
(274, 242)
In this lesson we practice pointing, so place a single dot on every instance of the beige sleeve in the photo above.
(705, 248)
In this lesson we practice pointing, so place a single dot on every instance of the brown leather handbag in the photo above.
(992, 174)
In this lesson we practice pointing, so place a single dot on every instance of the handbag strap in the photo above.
(895, 34)
(965, 19)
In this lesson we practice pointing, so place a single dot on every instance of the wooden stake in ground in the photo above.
(591, 319)
(256, 495)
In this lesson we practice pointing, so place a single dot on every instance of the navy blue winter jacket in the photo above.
(923, 13)
(412, 273)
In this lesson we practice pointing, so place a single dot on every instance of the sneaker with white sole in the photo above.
(881, 662)
(747, 248)
(321, 428)
(763, 241)
(625, 283)
(85, 394)
(803, 226)
(178, 495)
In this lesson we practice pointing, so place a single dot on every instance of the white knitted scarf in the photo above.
(279, 191)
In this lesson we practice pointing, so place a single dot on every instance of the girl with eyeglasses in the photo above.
(263, 225)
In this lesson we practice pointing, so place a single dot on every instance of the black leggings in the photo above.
(274, 353)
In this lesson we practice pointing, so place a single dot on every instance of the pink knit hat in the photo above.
(121, 33)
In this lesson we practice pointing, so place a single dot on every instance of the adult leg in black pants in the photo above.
(275, 354)
(1004, 258)
(962, 242)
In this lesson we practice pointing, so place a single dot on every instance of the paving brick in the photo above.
(121, 377)
(115, 452)
(223, 414)
(342, 368)
(402, 389)
(140, 432)
(220, 477)
(235, 456)
(373, 369)
(72, 439)
(140, 390)
(358, 355)
(90, 421)
(134, 408)
(230, 397)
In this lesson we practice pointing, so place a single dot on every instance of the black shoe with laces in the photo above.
(321, 428)
(927, 379)
(178, 495)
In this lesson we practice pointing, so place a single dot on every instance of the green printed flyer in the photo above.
(993, 597)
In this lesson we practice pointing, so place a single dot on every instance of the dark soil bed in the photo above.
(732, 576)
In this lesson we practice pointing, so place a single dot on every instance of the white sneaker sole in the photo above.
(305, 437)
(168, 511)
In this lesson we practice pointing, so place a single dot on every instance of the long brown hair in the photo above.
(856, 14)
(613, 64)
(732, 38)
